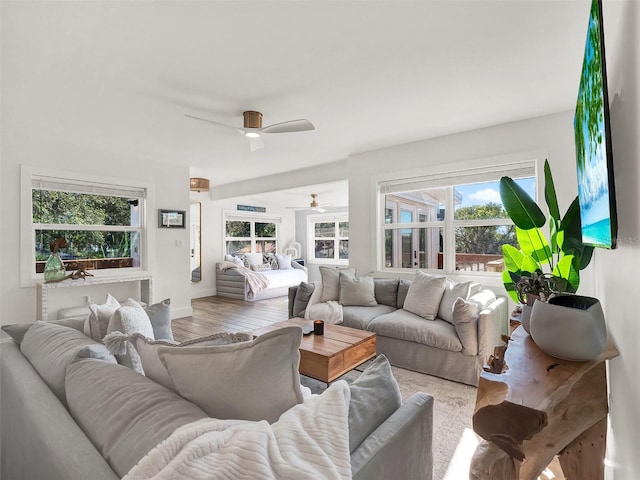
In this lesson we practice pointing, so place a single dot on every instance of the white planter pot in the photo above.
(525, 318)
(570, 327)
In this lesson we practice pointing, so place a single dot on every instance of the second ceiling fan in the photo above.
(253, 128)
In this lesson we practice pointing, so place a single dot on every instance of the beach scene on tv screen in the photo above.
(590, 133)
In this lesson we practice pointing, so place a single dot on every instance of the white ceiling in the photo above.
(120, 76)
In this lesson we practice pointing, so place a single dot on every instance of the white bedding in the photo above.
(309, 441)
(285, 278)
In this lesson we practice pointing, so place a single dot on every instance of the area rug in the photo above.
(453, 439)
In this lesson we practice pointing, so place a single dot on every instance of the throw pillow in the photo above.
(375, 395)
(452, 291)
(255, 380)
(331, 282)
(357, 291)
(254, 258)
(301, 300)
(234, 259)
(51, 348)
(160, 317)
(265, 267)
(97, 323)
(151, 364)
(403, 289)
(424, 295)
(133, 319)
(271, 259)
(284, 261)
(483, 298)
(124, 414)
(465, 319)
(386, 291)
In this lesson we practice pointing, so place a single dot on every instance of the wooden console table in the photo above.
(43, 289)
(538, 408)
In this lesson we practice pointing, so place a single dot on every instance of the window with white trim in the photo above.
(250, 234)
(103, 224)
(449, 222)
(328, 236)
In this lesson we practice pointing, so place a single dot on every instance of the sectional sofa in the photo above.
(454, 343)
(66, 416)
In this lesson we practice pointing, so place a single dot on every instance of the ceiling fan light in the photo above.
(252, 134)
(198, 184)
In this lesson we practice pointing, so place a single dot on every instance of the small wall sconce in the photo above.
(198, 184)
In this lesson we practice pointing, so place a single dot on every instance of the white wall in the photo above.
(617, 270)
(548, 137)
(169, 263)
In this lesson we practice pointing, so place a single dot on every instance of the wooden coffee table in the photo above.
(327, 357)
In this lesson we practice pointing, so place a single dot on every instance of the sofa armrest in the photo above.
(492, 324)
(297, 266)
(40, 439)
(401, 447)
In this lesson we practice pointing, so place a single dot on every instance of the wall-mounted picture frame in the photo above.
(171, 218)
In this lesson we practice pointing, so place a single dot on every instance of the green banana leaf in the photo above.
(520, 207)
(534, 244)
(565, 270)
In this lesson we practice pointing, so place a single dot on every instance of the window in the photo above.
(247, 234)
(453, 222)
(328, 238)
(103, 224)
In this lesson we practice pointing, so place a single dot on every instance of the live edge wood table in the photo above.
(329, 356)
(538, 408)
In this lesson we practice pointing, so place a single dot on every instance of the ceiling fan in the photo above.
(253, 128)
(314, 205)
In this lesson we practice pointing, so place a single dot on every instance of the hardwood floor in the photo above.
(220, 314)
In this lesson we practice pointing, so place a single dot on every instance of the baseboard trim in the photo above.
(209, 292)
(181, 312)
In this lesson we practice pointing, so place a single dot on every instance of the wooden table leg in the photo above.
(583, 458)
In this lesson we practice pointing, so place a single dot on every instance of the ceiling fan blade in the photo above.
(300, 125)
(255, 144)
(214, 123)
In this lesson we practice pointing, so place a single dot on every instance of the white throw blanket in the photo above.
(309, 441)
(255, 280)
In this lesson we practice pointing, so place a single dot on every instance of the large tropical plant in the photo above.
(563, 256)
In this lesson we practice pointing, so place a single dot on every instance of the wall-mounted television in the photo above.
(596, 189)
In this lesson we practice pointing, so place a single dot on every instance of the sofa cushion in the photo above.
(358, 291)
(124, 414)
(255, 380)
(97, 323)
(424, 295)
(153, 367)
(51, 348)
(386, 291)
(17, 330)
(407, 326)
(452, 291)
(403, 289)
(483, 298)
(331, 282)
(465, 319)
(375, 395)
(301, 300)
(359, 317)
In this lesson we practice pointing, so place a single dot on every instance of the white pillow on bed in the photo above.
(284, 262)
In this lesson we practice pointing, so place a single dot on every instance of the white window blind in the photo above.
(41, 182)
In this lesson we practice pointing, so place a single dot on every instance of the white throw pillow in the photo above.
(465, 319)
(331, 282)
(153, 367)
(254, 258)
(233, 259)
(96, 325)
(424, 295)
(255, 380)
(452, 291)
(264, 267)
(284, 262)
(130, 318)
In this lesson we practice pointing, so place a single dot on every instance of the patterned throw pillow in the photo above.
(133, 319)
(265, 267)
(271, 260)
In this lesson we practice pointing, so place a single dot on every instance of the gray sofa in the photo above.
(433, 347)
(46, 437)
